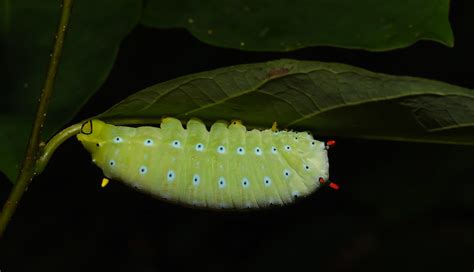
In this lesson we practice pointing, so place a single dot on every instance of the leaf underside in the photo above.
(283, 25)
(325, 98)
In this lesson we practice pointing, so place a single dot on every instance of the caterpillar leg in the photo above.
(236, 122)
(104, 183)
(274, 127)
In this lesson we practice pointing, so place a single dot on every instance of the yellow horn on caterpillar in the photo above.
(104, 183)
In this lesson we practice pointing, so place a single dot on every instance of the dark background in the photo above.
(402, 206)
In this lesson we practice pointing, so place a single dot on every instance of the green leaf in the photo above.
(27, 29)
(326, 98)
(282, 25)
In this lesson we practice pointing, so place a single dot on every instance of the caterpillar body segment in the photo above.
(226, 166)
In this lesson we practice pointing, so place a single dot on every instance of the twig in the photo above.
(27, 171)
(53, 144)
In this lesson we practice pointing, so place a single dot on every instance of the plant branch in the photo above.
(27, 171)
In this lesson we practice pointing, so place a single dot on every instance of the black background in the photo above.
(402, 206)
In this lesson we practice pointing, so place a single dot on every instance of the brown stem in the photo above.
(27, 171)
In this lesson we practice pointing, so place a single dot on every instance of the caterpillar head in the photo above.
(90, 135)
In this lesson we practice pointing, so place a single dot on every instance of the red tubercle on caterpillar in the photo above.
(330, 144)
(333, 185)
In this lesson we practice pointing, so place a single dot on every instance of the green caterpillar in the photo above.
(226, 167)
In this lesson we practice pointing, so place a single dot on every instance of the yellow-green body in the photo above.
(271, 168)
